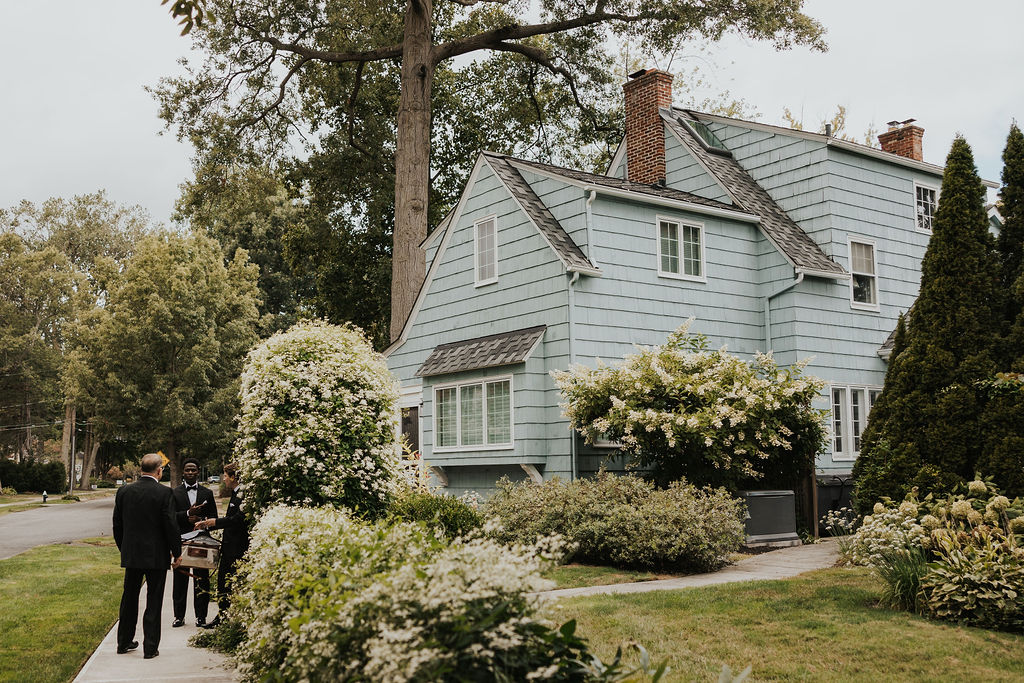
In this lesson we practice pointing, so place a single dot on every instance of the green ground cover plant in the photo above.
(59, 601)
(824, 625)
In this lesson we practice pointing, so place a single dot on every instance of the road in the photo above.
(20, 531)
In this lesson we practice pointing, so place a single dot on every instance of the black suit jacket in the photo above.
(236, 530)
(145, 528)
(203, 495)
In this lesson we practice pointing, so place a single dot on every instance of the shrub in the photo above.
(317, 421)
(624, 521)
(33, 476)
(704, 415)
(890, 530)
(325, 596)
(449, 515)
(901, 572)
(8, 491)
(978, 579)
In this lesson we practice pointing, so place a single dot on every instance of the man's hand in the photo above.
(175, 562)
(196, 509)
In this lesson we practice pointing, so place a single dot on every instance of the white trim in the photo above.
(568, 268)
(483, 382)
(533, 473)
(681, 275)
(848, 454)
(476, 250)
(934, 189)
(441, 227)
(455, 215)
(859, 305)
(411, 396)
(617, 160)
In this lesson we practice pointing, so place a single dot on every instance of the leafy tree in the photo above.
(838, 125)
(256, 49)
(170, 344)
(929, 433)
(704, 415)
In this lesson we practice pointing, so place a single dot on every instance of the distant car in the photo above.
(214, 479)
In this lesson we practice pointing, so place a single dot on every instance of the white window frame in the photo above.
(476, 251)
(848, 436)
(703, 244)
(860, 305)
(925, 186)
(482, 382)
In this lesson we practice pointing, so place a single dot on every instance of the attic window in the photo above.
(927, 202)
(706, 137)
(486, 244)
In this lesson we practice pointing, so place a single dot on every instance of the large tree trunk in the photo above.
(92, 445)
(412, 163)
(172, 457)
(65, 442)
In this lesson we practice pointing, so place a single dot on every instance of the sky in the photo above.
(76, 118)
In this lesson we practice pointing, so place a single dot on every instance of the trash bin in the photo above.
(771, 518)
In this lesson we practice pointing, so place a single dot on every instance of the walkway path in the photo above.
(777, 564)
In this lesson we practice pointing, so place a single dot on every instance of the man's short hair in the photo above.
(190, 461)
(231, 469)
(151, 462)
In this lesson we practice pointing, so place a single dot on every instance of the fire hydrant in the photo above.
(44, 496)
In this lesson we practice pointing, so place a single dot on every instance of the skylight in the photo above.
(707, 138)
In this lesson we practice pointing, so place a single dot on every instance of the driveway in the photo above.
(62, 523)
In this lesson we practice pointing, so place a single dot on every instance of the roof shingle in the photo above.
(493, 350)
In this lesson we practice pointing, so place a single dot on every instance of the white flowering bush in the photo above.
(317, 422)
(623, 521)
(704, 415)
(325, 596)
(890, 530)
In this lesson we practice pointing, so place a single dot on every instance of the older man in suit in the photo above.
(146, 533)
(194, 503)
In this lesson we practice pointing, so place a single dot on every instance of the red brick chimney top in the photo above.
(903, 139)
(646, 92)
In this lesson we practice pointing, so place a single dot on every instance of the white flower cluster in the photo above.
(327, 597)
(318, 409)
(886, 531)
(681, 395)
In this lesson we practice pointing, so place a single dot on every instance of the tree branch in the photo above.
(389, 52)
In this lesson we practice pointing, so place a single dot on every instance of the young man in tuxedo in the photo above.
(146, 533)
(235, 541)
(194, 503)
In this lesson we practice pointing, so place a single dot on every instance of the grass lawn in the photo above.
(30, 501)
(577, 575)
(819, 626)
(58, 602)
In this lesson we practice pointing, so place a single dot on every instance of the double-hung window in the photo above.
(926, 202)
(486, 250)
(863, 276)
(680, 250)
(850, 409)
(473, 415)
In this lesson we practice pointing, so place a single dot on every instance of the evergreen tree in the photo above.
(930, 432)
(1003, 456)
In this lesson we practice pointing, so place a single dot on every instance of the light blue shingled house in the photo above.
(773, 239)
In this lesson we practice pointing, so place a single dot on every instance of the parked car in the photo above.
(214, 479)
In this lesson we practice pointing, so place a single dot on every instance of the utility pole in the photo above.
(71, 462)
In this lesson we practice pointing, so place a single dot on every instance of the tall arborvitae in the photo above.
(931, 435)
(1003, 456)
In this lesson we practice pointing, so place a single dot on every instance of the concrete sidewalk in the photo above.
(177, 661)
(777, 564)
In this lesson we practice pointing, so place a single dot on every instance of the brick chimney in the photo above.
(645, 93)
(903, 139)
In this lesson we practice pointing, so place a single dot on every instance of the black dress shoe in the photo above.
(201, 623)
(127, 648)
(177, 623)
(150, 655)
(213, 624)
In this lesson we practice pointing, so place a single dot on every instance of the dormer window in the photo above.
(486, 247)
(927, 202)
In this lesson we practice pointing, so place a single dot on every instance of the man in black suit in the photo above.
(146, 533)
(194, 503)
(235, 541)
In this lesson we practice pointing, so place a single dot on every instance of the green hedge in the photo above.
(450, 515)
(33, 476)
(624, 521)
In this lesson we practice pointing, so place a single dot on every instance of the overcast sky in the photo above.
(75, 117)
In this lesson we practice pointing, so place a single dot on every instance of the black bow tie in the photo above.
(192, 488)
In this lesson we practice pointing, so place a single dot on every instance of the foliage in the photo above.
(888, 531)
(901, 572)
(169, 345)
(623, 521)
(929, 434)
(225, 637)
(446, 515)
(8, 491)
(326, 597)
(33, 475)
(704, 415)
(317, 421)
(977, 579)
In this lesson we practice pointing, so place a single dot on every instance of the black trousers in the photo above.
(155, 578)
(226, 570)
(200, 591)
